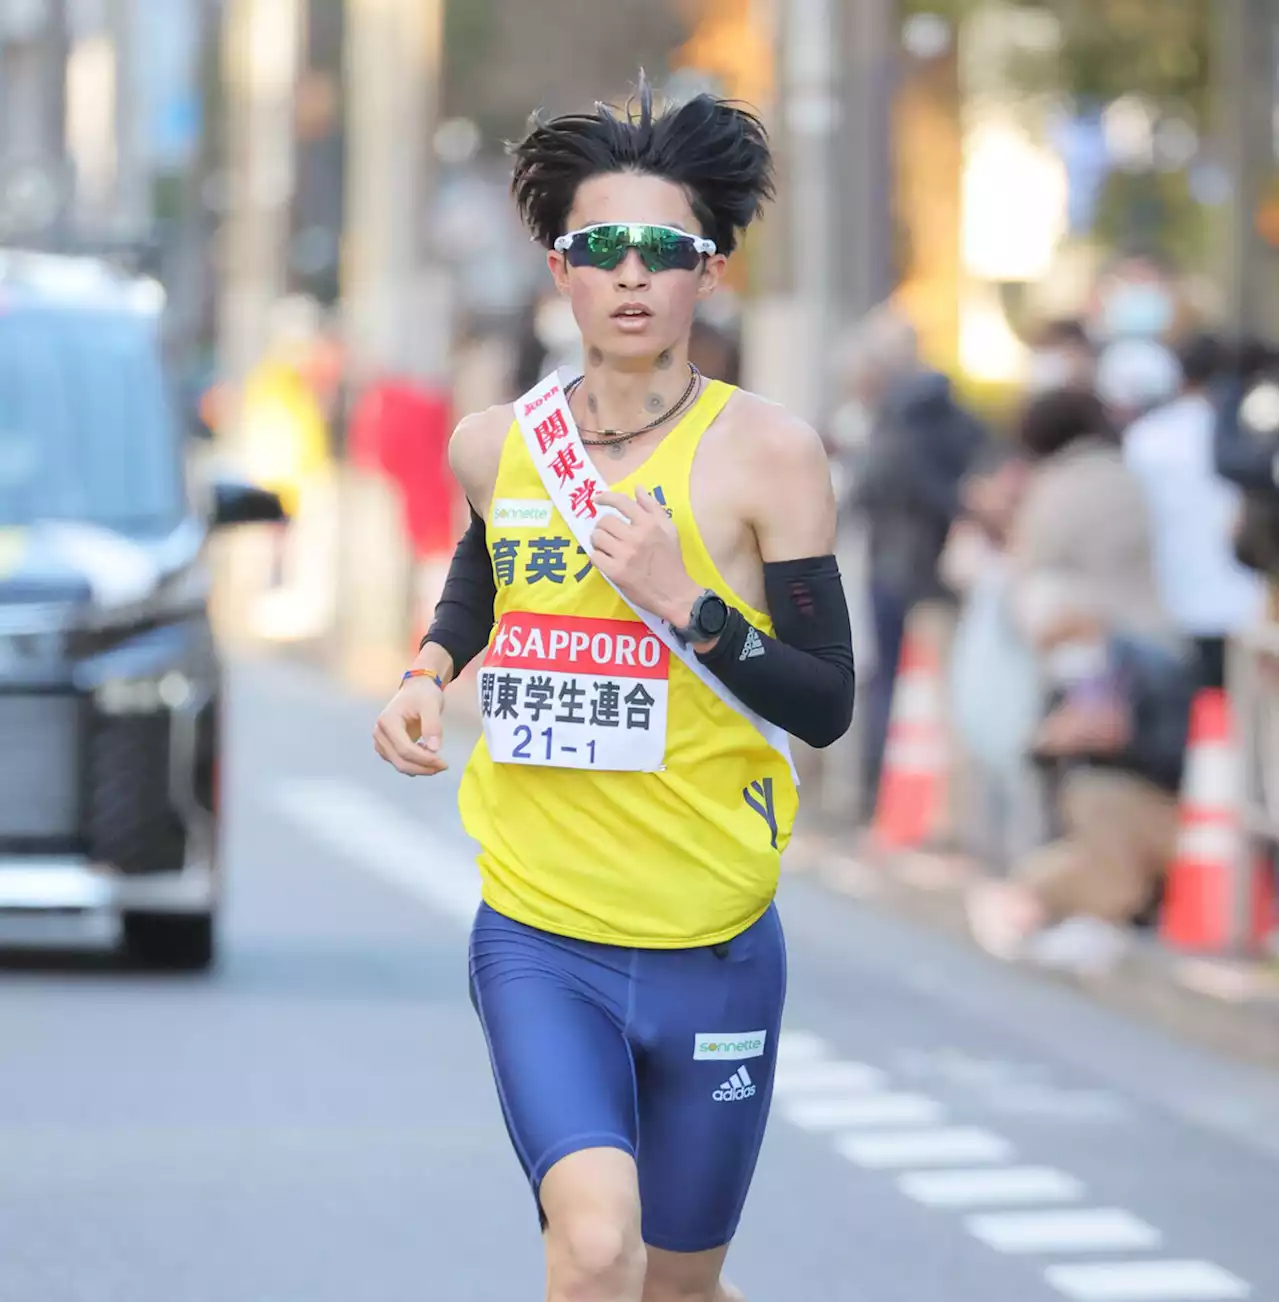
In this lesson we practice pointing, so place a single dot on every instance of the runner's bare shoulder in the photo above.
(475, 449)
(772, 452)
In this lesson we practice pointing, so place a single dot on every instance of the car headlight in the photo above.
(148, 695)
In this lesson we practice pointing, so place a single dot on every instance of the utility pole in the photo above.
(393, 311)
(861, 156)
(395, 304)
(261, 40)
(811, 115)
(1244, 76)
(34, 176)
(261, 43)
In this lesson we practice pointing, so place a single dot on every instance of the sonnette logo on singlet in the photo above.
(520, 513)
(739, 1086)
(563, 691)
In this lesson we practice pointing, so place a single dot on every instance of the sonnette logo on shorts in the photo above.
(712, 1046)
(516, 513)
(572, 644)
(739, 1086)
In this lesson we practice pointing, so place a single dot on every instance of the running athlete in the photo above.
(649, 574)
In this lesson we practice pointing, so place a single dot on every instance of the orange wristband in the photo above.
(423, 673)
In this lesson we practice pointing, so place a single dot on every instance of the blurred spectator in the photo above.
(995, 689)
(1245, 453)
(1136, 298)
(548, 340)
(1118, 694)
(1082, 530)
(1133, 377)
(1209, 594)
(1063, 358)
(919, 444)
(714, 351)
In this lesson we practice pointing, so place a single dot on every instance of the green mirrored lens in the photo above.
(659, 249)
(606, 246)
(664, 250)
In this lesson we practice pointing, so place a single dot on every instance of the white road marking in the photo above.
(991, 1186)
(1073, 1229)
(862, 1110)
(1146, 1281)
(924, 1148)
(801, 1046)
(376, 837)
(819, 1077)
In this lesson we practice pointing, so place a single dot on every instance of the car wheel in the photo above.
(176, 941)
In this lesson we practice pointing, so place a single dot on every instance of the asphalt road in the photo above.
(315, 1122)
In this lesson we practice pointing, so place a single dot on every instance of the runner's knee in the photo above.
(594, 1250)
(594, 1255)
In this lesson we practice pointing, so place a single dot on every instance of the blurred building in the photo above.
(100, 115)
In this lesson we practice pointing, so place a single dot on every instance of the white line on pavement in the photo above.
(1074, 1229)
(991, 1186)
(862, 1110)
(379, 839)
(905, 1148)
(801, 1046)
(1146, 1281)
(820, 1077)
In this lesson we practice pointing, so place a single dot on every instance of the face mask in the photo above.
(1071, 663)
(554, 325)
(1050, 370)
(1142, 311)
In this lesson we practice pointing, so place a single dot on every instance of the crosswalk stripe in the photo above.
(823, 1076)
(991, 1186)
(800, 1046)
(1073, 1229)
(1146, 1281)
(924, 1148)
(824, 1113)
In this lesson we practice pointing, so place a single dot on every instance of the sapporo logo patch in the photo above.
(712, 1046)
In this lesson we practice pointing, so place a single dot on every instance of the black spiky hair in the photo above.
(715, 150)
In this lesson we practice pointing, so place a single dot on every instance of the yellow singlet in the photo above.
(684, 854)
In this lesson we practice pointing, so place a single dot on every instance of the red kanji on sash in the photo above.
(566, 464)
(582, 499)
(551, 429)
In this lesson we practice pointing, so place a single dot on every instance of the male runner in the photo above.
(649, 573)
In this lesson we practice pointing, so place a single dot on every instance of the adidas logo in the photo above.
(752, 647)
(738, 1086)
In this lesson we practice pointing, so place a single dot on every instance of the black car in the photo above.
(110, 683)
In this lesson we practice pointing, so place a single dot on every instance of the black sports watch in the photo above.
(706, 620)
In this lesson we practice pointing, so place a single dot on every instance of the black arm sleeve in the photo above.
(463, 616)
(802, 680)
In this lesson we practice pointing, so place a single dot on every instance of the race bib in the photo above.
(562, 691)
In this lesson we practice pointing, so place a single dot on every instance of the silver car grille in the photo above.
(39, 766)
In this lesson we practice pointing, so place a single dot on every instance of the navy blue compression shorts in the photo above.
(665, 1054)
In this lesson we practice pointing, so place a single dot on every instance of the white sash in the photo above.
(571, 480)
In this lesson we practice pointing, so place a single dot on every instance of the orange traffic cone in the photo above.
(1217, 895)
(912, 803)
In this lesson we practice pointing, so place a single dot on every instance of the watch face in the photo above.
(712, 615)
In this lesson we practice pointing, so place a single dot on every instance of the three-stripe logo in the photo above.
(738, 1086)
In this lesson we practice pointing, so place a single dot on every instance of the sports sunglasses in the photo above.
(661, 248)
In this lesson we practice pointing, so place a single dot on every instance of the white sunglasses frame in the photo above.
(700, 243)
